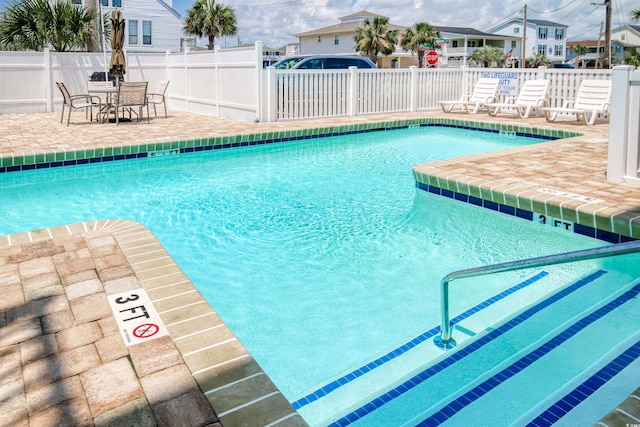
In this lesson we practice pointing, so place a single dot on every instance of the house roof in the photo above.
(348, 27)
(465, 31)
(362, 14)
(538, 22)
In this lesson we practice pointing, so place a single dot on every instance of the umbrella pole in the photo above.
(104, 42)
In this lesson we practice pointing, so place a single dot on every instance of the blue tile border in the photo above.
(345, 379)
(462, 353)
(256, 139)
(584, 230)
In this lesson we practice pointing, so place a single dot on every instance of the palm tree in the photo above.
(631, 57)
(580, 51)
(210, 19)
(374, 38)
(489, 56)
(635, 14)
(538, 60)
(421, 33)
(36, 24)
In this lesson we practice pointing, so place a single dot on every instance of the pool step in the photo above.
(351, 390)
(444, 388)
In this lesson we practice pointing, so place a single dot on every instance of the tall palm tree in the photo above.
(580, 51)
(635, 14)
(489, 56)
(210, 19)
(421, 33)
(375, 37)
(36, 24)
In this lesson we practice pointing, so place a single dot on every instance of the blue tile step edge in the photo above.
(620, 303)
(584, 230)
(117, 153)
(404, 348)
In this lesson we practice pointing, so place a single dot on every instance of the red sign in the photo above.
(432, 57)
(146, 330)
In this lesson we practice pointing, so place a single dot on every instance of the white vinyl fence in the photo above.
(330, 93)
(624, 129)
(231, 83)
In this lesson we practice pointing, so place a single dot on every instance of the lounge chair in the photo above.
(130, 95)
(593, 99)
(532, 96)
(78, 102)
(157, 96)
(484, 91)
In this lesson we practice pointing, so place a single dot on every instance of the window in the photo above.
(105, 2)
(336, 39)
(319, 39)
(513, 44)
(558, 51)
(76, 1)
(133, 32)
(516, 30)
(559, 33)
(454, 43)
(146, 33)
(116, 3)
(542, 33)
(542, 49)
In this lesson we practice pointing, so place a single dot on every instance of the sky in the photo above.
(276, 22)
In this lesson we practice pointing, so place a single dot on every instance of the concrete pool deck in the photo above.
(62, 356)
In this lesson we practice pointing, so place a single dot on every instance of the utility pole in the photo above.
(524, 38)
(598, 48)
(607, 35)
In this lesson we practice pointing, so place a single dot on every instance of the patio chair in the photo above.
(593, 99)
(102, 89)
(484, 91)
(157, 96)
(78, 102)
(129, 96)
(532, 96)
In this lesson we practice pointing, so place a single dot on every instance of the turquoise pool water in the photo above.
(319, 254)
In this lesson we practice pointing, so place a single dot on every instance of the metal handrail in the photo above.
(445, 341)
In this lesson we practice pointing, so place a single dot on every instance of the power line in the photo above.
(552, 11)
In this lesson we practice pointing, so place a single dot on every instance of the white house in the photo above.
(151, 25)
(462, 42)
(545, 37)
(627, 34)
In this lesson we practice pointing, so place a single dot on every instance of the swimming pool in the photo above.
(318, 254)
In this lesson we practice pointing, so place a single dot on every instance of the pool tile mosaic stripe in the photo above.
(101, 155)
(559, 409)
(584, 230)
(463, 352)
(353, 375)
(521, 364)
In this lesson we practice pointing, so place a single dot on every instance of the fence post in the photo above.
(48, 84)
(542, 72)
(270, 95)
(259, 82)
(216, 68)
(619, 123)
(413, 101)
(353, 91)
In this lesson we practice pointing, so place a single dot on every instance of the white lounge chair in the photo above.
(532, 96)
(484, 91)
(593, 99)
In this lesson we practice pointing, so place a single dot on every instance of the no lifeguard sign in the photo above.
(432, 57)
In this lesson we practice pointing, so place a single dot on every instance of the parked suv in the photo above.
(323, 62)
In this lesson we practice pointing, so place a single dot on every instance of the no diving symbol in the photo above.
(146, 330)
